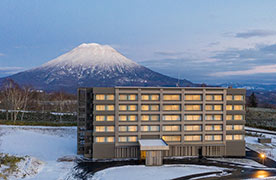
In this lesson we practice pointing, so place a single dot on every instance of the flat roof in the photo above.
(153, 144)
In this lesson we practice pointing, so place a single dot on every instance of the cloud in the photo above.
(168, 53)
(267, 69)
(10, 70)
(2, 54)
(255, 33)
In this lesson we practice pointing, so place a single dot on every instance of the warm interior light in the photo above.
(263, 156)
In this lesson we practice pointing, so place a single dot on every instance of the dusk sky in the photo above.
(203, 41)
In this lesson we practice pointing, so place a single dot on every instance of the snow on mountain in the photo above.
(92, 65)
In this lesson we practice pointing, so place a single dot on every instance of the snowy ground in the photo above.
(243, 162)
(269, 149)
(155, 173)
(46, 144)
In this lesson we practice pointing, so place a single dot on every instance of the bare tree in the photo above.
(26, 90)
(14, 98)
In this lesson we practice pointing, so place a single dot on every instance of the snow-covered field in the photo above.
(269, 149)
(45, 144)
(157, 172)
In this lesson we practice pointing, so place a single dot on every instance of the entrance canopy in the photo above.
(153, 145)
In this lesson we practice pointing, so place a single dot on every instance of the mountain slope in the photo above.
(92, 65)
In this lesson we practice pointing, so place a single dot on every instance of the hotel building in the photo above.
(140, 122)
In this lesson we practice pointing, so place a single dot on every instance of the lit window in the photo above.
(192, 128)
(128, 139)
(132, 107)
(216, 117)
(213, 97)
(150, 97)
(101, 97)
(193, 97)
(150, 128)
(213, 137)
(171, 107)
(171, 138)
(193, 117)
(150, 117)
(229, 137)
(127, 107)
(171, 128)
(238, 107)
(105, 118)
(213, 127)
(128, 97)
(100, 107)
(229, 107)
(192, 138)
(193, 107)
(229, 117)
(127, 128)
(229, 97)
(104, 107)
(213, 107)
(171, 117)
(110, 107)
(104, 139)
(128, 118)
(238, 117)
(172, 97)
(150, 107)
(238, 97)
(238, 137)
(104, 128)
(234, 137)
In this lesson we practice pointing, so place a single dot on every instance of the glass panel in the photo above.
(229, 127)
(110, 97)
(238, 127)
(154, 107)
(100, 97)
(109, 139)
(193, 97)
(229, 117)
(110, 107)
(132, 128)
(132, 107)
(238, 117)
(122, 128)
(145, 117)
(100, 128)
(145, 97)
(238, 97)
(172, 138)
(100, 139)
(122, 139)
(217, 117)
(171, 107)
(218, 97)
(238, 107)
(229, 137)
(132, 97)
(217, 107)
(145, 107)
(208, 137)
(110, 118)
(193, 117)
(171, 117)
(209, 97)
(238, 137)
(229, 97)
(155, 117)
(100, 118)
(208, 128)
(100, 107)
(171, 128)
(193, 107)
(123, 107)
(110, 128)
(132, 139)
(229, 107)
(208, 107)
(132, 118)
(217, 127)
(192, 138)
(123, 118)
(155, 97)
(123, 97)
(192, 128)
(217, 137)
(173, 97)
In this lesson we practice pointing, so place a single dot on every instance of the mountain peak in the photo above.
(92, 55)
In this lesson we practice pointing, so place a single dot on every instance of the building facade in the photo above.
(192, 121)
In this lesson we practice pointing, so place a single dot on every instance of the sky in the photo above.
(210, 41)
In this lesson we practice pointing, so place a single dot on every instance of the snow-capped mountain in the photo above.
(92, 65)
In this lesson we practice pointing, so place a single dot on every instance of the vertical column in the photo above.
(116, 119)
(139, 113)
(182, 114)
(203, 114)
(161, 111)
(224, 119)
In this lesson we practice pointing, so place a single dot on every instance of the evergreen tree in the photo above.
(253, 100)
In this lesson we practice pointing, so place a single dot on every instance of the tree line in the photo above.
(17, 100)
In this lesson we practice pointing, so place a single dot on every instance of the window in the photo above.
(104, 139)
(238, 107)
(193, 117)
(105, 118)
(171, 107)
(171, 117)
(128, 128)
(213, 137)
(229, 97)
(213, 107)
(150, 97)
(128, 139)
(101, 97)
(104, 107)
(150, 117)
(193, 107)
(128, 97)
(234, 127)
(192, 127)
(193, 97)
(150, 107)
(149, 128)
(213, 97)
(216, 117)
(171, 138)
(238, 97)
(128, 107)
(104, 128)
(192, 138)
(234, 137)
(171, 128)
(128, 118)
(171, 97)
(238, 117)
(229, 107)
(229, 117)
(213, 127)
